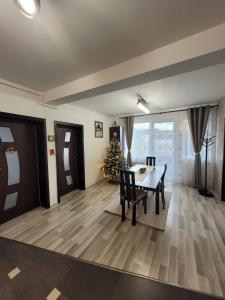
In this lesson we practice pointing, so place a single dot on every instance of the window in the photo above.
(167, 137)
(154, 139)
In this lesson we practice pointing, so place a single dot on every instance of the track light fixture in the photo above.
(29, 8)
(143, 105)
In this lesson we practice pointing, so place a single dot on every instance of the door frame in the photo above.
(80, 149)
(42, 152)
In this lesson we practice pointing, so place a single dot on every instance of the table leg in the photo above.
(157, 200)
(123, 209)
(134, 215)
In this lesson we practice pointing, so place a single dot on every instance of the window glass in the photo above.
(66, 159)
(69, 179)
(13, 167)
(6, 135)
(67, 136)
(10, 201)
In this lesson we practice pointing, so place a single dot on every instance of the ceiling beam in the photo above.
(194, 52)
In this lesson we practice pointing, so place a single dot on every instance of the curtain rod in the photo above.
(165, 112)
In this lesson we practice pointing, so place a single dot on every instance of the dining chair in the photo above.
(150, 160)
(130, 193)
(122, 165)
(162, 186)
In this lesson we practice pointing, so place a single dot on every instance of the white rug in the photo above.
(150, 219)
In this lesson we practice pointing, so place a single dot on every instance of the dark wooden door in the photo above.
(66, 159)
(19, 184)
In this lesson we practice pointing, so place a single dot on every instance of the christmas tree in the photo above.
(112, 167)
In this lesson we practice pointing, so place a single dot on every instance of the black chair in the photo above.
(162, 186)
(150, 161)
(122, 165)
(130, 193)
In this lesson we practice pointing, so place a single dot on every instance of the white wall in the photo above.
(17, 102)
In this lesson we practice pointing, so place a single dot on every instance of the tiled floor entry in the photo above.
(42, 274)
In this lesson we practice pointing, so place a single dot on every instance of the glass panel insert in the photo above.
(6, 135)
(69, 180)
(13, 167)
(66, 159)
(67, 136)
(10, 201)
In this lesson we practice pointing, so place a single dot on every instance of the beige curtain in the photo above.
(197, 119)
(129, 127)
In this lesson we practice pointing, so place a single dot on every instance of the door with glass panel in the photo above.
(66, 159)
(19, 183)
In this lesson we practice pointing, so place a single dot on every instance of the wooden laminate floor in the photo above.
(190, 253)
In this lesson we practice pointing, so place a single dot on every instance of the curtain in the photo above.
(198, 119)
(129, 126)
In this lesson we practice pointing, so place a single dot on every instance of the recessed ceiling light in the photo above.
(29, 8)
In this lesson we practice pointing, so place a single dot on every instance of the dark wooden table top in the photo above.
(43, 272)
(151, 179)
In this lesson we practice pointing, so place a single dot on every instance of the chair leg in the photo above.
(134, 215)
(163, 198)
(157, 200)
(147, 197)
(145, 205)
(123, 217)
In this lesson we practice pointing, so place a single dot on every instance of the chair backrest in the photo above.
(127, 185)
(164, 173)
(150, 160)
(122, 165)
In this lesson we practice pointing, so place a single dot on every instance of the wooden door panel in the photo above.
(18, 169)
(66, 159)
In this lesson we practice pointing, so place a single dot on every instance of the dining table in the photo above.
(149, 180)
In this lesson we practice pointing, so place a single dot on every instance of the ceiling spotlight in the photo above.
(143, 106)
(29, 8)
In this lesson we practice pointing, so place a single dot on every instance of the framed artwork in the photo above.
(98, 129)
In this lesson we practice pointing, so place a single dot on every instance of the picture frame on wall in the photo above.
(98, 129)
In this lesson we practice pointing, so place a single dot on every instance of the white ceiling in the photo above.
(73, 38)
(198, 87)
